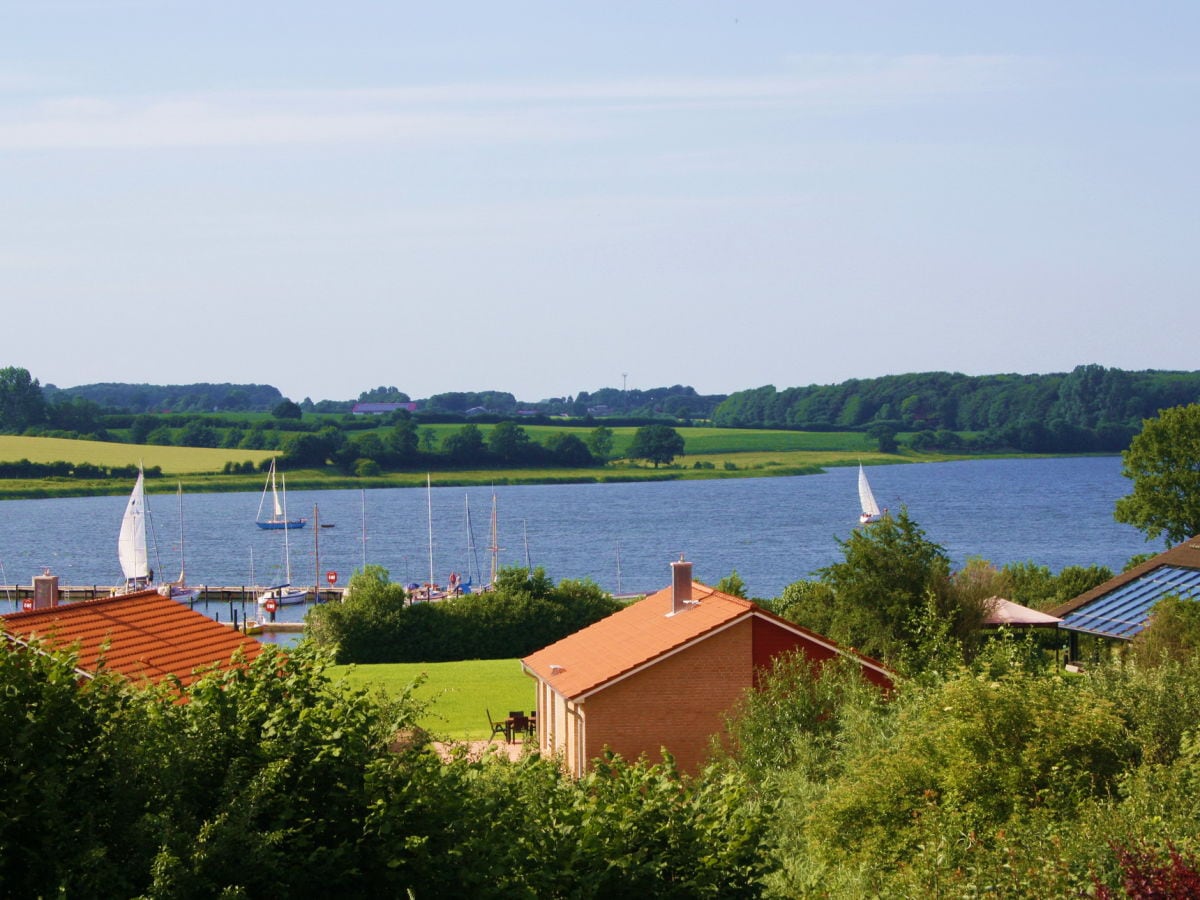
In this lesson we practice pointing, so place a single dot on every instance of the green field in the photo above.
(460, 693)
(709, 453)
(172, 460)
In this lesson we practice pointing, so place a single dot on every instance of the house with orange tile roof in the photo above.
(144, 636)
(664, 672)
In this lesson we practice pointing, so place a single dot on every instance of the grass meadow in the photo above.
(460, 694)
(709, 453)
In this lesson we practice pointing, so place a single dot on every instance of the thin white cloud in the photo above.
(515, 111)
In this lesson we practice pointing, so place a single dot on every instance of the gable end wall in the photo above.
(679, 702)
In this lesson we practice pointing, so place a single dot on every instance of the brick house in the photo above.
(664, 672)
(144, 636)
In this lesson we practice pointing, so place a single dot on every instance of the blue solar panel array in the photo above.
(1123, 612)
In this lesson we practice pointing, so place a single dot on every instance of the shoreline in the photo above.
(313, 480)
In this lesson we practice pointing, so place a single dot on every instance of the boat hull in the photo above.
(283, 596)
(272, 525)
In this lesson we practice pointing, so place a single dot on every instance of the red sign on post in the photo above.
(331, 576)
(27, 604)
(269, 606)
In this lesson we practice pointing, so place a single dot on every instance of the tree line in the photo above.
(1089, 408)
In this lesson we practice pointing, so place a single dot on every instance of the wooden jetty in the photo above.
(208, 593)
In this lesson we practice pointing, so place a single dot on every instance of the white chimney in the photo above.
(681, 585)
(45, 590)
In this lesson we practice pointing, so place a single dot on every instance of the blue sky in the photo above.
(542, 197)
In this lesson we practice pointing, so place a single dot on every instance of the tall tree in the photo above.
(1164, 464)
(888, 573)
(21, 400)
(656, 444)
(509, 442)
(464, 446)
(600, 442)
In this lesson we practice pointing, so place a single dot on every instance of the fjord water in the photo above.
(772, 531)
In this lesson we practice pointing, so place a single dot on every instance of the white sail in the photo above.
(870, 509)
(284, 594)
(277, 519)
(131, 545)
(275, 494)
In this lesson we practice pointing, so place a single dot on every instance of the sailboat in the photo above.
(284, 594)
(459, 585)
(178, 589)
(870, 509)
(278, 518)
(430, 590)
(131, 543)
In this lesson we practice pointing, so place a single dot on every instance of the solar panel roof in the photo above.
(1124, 611)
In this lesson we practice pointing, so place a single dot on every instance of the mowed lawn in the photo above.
(460, 694)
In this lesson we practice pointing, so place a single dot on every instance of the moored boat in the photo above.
(278, 519)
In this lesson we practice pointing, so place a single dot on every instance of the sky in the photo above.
(547, 198)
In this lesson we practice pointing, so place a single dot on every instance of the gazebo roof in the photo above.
(1006, 612)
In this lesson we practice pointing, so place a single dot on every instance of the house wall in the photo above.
(770, 640)
(560, 727)
(679, 702)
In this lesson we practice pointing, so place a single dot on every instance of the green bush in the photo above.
(523, 613)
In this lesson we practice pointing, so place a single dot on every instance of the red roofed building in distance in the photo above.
(664, 672)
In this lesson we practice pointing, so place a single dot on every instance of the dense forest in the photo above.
(157, 398)
(676, 402)
(1091, 407)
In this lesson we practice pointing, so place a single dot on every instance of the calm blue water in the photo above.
(773, 531)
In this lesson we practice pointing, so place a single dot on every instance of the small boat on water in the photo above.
(133, 551)
(277, 520)
(866, 499)
(283, 594)
(131, 542)
(178, 589)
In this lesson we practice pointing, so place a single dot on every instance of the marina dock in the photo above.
(208, 594)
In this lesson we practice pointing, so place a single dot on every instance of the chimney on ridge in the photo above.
(681, 585)
(45, 590)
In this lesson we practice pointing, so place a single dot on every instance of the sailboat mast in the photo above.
(287, 555)
(182, 560)
(429, 510)
(495, 547)
(618, 567)
(364, 530)
(525, 535)
(316, 553)
(473, 570)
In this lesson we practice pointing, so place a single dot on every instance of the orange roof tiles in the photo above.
(141, 636)
(644, 632)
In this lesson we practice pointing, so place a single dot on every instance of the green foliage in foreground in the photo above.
(275, 781)
(1001, 779)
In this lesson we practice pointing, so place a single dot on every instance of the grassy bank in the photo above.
(709, 453)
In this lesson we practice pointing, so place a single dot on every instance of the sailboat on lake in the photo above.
(131, 542)
(866, 499)
(278, 518)
(283, 594)
(178, 589)
(134, 554)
